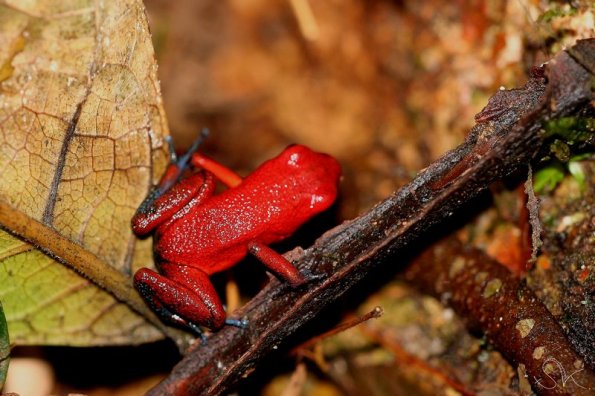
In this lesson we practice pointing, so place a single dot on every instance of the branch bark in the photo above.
(508, 134)
(492, 300)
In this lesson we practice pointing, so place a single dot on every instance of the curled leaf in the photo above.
(81, 141)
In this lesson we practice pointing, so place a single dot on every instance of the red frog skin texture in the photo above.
(198, 233)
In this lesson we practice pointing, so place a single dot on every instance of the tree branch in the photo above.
(492, 300)
(507, 136)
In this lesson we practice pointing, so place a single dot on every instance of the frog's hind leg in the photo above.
(145, 284)
(159, 207)
(182, 295)
(175, 189)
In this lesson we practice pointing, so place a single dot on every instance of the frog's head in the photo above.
(315, 176)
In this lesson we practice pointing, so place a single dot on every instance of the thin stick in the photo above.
(305, 18)
(375, 313)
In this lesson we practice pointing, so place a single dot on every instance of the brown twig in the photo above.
(297, 381)
(375, 313)
(344, 255)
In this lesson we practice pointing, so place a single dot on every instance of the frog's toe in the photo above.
(309, 276)
(198, 331)
(184, 161)
(241, 323)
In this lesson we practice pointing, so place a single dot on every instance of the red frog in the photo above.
(198, 233)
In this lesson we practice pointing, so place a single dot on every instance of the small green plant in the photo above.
(570, 134)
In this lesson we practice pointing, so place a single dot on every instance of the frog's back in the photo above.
(215, 235)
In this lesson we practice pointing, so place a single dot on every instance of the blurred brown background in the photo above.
(385, 86)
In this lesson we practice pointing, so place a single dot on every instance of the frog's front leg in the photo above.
(174, 191)
(159, 206)
(277, 264)
(183, 295)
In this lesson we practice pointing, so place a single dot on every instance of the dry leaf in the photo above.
(81, 128)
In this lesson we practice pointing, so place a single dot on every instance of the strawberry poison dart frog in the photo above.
(198, 233)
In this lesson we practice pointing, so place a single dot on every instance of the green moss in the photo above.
(560, 150)
(571, 134)
(556, 12)
(571, 129)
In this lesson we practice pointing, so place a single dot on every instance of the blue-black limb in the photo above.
(242, 324)
(179, 164)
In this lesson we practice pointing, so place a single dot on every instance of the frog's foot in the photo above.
(198, 331)
(178, 165)
(184, 160)
(240, 323)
